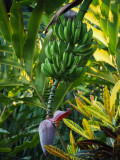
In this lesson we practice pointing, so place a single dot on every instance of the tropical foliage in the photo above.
(93, 96)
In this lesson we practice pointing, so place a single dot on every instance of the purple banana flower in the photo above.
(47, 129)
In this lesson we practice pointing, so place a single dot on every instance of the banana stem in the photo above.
(51, 99)
(83, 9)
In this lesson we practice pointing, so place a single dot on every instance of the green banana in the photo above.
(57, 61)
(49, 67)
(88, 52)
(70, 59)
(73, 27)
(54, 68)
(90, 34)
(48, 52)
(55, 29)
(77, 35)
(76, 60)
(45, 70)
(61, 31)
(62, 19)
(71, 70)
(67, 35)
(83, 30)
(85, 38)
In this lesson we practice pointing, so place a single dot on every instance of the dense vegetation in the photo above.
(83, 75)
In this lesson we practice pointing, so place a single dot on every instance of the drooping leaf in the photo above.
(75, 127)
(30, 43)
(32, 101)
(26, 144)
(84, 154)
(57, 152)
(5, 27)
(6, 49)
(18, 36)
(6, 61)
(10, 83)
(107, 75)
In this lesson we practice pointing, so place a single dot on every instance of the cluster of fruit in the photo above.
(72, 45)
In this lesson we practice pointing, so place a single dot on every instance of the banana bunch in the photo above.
(59, 63)
(71, 31)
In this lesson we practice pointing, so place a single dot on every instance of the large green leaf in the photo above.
(17, 28)
(33, 27)
(113, 25)
(5, 27)
(5, 149)
(4, 60)
(3, 131)
(41, 81)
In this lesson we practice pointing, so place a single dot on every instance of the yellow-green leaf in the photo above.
(102, 55)
(98, 114)
(87, 128)
(72, 141)
(113, 96)
(57, 152)
(106, 99)
(75, 127)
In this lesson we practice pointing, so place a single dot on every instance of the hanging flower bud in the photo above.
(47, 132)
(47, 129)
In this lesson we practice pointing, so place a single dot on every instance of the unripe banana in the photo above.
(83, 30)
(61, 31)
(49, 67)
(83, 41)
(71, 70)
(55, 29)
(48, 52)
(70, 59)
(45, 70)
(67, 35)
(73, 28)
(77, 35)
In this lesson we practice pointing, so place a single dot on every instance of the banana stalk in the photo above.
(51, 99)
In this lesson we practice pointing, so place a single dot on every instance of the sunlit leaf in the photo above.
(98, 114)
(72, 141)
(87, 128)
(102, 55)
(113, 96)
(75, 127)
(57, 152)
(106, 100)
(10, 83)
